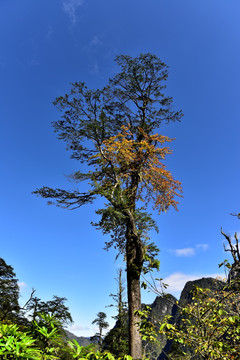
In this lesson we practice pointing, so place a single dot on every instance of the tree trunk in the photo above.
(100, 338)
(134, 267)
(134, 303)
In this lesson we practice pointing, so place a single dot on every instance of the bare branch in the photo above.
(232, 247)
(30, 298)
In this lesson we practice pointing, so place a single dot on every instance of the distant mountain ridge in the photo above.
(82, 341)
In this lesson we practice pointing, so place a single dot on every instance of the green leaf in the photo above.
(127, 357)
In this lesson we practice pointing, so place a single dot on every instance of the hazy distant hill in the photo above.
(83, 341)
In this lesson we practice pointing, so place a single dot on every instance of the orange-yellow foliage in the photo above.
(142, 156)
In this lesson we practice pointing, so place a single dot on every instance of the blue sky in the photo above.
(45, 45)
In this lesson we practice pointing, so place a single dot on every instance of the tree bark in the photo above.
(134, 267)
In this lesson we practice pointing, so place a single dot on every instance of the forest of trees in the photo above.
(114, 132)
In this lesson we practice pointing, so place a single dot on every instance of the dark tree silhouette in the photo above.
(102, 324)
(9, 292)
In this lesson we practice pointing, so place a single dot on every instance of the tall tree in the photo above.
(102, 324)
(111, 130)
(116, 341)
(9, 292)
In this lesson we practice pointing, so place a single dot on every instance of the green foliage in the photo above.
(9, 292)
(40, 342)
(43, 338)
(147, 327)
(45, 342)
(116, 341)
(16, 344)
(46, 331)
(151, 262)
(80, 352)
(210, 325)
(207, 328)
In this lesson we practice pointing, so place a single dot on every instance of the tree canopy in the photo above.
(55, 307)
(102, 324)
(9, 292)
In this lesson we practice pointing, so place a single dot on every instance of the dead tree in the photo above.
(234, 273)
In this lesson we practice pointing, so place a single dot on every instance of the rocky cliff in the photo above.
(186, 298)
(162, 306)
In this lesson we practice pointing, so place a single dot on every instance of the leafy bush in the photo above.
(43, 340)
(16, 344)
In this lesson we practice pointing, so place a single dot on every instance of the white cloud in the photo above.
(177, 280)
(70, 8)
(185, 252)
(78, 328)
(190, 251)
(202, 246)
(22, 286)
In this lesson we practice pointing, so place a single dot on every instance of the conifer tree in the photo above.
(112, 131)
(102, 324)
